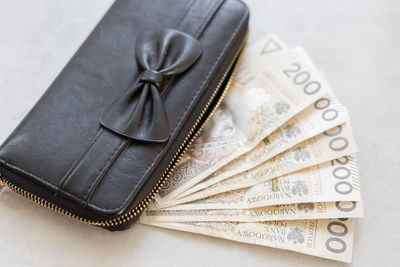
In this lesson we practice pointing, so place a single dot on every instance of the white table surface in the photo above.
(355, 42)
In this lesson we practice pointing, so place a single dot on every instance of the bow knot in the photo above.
(153, 77)
(139, 113)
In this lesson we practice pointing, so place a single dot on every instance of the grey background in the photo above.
(353, 41)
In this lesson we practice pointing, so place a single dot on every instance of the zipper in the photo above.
(191, 136)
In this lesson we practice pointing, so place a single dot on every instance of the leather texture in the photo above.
(122, 77)
(140, 114)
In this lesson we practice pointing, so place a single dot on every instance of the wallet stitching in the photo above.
(208, 17)
(101, 174)
(184, 13)
(37, 178)
(183, 115)
(158, 155)
(12, 166)
(67, 176)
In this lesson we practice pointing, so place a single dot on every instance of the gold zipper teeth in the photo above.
(168, 171)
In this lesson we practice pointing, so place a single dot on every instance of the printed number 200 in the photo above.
(301, 77)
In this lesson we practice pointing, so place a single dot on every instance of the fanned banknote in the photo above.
(274, 167)
(297, 211)
(330, 238)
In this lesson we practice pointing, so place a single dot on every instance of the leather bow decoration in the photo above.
(139, 113)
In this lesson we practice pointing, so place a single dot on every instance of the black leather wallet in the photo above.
(115, 122)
